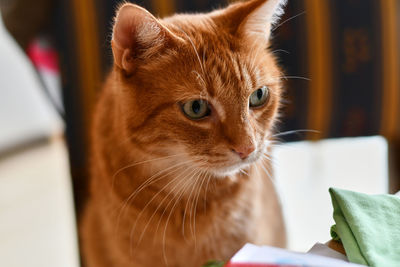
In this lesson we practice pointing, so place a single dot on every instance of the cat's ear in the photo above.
(252, 18)
(137, 34)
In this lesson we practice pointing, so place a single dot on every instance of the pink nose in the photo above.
(243, 150)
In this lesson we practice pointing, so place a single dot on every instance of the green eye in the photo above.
(196, 109)
(259, 97)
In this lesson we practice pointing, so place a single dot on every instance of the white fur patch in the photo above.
(149, 34)
(263, 18)
(219, 108)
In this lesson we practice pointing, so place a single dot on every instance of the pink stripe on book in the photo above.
(232, 264)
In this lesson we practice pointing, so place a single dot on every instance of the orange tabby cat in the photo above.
(179, 172)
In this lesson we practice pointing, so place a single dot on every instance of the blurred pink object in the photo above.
(43, 56)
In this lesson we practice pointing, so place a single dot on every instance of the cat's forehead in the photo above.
(225, 72)
(214, 64)
(233, 69)
(227, 62)
(207, 54)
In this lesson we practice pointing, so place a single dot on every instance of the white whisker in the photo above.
(196, 203)
(206, 191)
(195, 50)
(294, 77)
(287, 20)
(295, 131)
(280, 50)
(140, 162)
(244, 172)
(148, 182)
(183, 189)
(267, 172)
(192, 200)
(180, 194)
(148, 203)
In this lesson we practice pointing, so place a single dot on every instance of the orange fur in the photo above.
(167, 190)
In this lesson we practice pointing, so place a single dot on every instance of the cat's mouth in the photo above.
(230, 168)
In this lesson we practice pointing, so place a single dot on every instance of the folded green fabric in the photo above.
(368, 226)
(214, 264)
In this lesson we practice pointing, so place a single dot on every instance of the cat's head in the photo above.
(203, 87)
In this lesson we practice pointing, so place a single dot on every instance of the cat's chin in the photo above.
(233, 169)
(225, 172)
(229, 171)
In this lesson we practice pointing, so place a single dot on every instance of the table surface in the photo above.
(37, 223)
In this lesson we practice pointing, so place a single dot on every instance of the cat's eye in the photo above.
(196, 109)
(259, 97)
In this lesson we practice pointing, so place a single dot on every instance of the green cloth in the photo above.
(368, 226)
(214, 264)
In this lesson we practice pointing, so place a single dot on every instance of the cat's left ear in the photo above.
(252, 18)
(137, 34)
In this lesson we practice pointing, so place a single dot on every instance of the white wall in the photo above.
(304, 171)
(25, 112)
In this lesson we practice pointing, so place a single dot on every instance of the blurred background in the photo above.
(343, 62)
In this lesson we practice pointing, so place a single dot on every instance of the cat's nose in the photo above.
(243, 150)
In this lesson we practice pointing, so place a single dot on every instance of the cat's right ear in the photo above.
(137, 34)
(251, 18)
